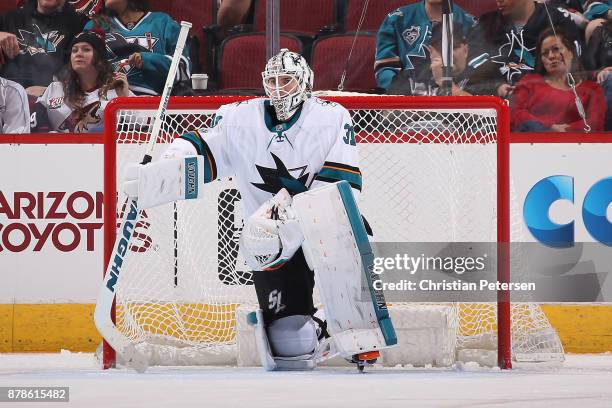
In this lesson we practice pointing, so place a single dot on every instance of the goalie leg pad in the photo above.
(165, 181)
(261, 339)
(286, 333)
(339, 249)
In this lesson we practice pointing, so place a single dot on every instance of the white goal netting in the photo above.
(429, 175)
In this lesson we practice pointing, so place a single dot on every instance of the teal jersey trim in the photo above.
(367, 261)
(281, 127)
(279, 263)
(333, 175)
(195, 140)
(202, 149)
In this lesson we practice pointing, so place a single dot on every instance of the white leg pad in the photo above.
(340, 252)
(261, 340)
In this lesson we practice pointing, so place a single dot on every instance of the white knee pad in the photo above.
(293, 336)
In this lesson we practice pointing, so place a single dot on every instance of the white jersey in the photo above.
(14, 108)
(51, 113)
(316, 146)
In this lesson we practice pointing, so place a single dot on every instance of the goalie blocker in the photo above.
(336, 246)
(164, 181)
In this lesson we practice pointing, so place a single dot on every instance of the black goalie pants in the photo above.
(286, 291)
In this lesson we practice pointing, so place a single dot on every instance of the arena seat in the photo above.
(201, 14)
(7, 5)
(243, 57)
(299, 16)
(329, 56)
(375, 15)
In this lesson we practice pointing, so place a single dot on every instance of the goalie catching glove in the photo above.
(272, 235)
(172, 178)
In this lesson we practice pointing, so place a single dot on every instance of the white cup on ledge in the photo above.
(199, 81)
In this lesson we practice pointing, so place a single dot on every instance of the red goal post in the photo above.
(379, 121)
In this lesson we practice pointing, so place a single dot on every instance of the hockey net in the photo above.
(430, 174)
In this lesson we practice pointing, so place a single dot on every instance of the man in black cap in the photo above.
(34, 42)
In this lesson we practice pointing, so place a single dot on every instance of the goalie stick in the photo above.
(447, 48)
(103, 315)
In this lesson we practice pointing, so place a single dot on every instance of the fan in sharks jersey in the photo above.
(34, 42)
(403, 37)
(141, 44)
(289, 140)
(505, 40)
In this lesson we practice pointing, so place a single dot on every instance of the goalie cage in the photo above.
(434, 170)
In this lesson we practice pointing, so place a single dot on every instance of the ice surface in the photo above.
(582, 381)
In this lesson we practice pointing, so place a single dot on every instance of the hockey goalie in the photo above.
(294, 159)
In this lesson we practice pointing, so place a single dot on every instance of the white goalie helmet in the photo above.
(287, 80)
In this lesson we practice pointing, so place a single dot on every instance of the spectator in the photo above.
(544, 101)
(403, 38)
(86, 7)
(34, 42)
(14, 109)
(506, 38)
(594, 9)
(141, 43)
(234, 12)
(597, 12)
(598, 58)
(572, 8)
(429, 81)
(76, 103)
(598, 54)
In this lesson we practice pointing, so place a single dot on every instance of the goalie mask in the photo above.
(287, 80)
